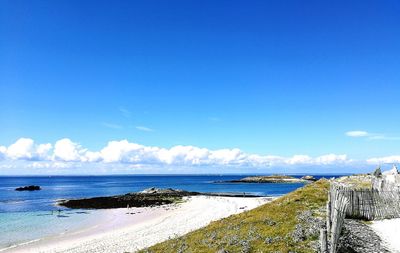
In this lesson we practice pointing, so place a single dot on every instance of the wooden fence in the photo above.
(345, 202)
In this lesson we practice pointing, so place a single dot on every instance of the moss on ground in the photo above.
(268, 228)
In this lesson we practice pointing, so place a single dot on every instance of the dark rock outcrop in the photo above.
(29, 188)
(148, 197)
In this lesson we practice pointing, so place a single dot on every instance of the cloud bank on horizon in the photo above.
(67, 154)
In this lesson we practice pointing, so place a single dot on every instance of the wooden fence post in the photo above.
(323, 240)
(339, 213)
(328, 213)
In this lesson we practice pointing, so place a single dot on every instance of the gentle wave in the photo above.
(19, 244)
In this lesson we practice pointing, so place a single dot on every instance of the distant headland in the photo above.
(273, 179)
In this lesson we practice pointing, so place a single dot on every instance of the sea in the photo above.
(28, 216)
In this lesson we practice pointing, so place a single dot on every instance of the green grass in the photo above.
(361, 181)
(268, 228)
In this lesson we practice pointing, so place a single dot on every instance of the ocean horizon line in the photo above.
(176, 174)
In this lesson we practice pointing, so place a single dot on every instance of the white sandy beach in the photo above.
(122, 230)
(389, 231)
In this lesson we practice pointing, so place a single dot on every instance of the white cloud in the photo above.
(371, 136)
(90, 156)
(66, 150)
(357, 133)
(3, 151)
(43, 150)
(383, 137)
(121, 151)
(143, 128)
(331, 158)
(23, 148)
(48, 165)
(126, 154)
(299, 159)
(227, 156)
(187, 155)
(385, 159)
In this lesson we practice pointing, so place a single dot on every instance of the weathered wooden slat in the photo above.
(323, 241)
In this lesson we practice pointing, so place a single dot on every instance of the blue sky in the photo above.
(280, 78)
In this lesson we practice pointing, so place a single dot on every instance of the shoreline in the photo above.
(122, 229)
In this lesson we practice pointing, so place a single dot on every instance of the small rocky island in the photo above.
(149, 197)
(29, 188)
(274, 179)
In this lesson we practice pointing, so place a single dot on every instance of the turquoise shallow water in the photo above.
(21, 227)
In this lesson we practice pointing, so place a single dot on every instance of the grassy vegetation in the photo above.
(361, 181)
(275, 176)
(268, 228)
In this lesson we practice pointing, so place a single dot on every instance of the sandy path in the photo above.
(118, 231)
(389, 231)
